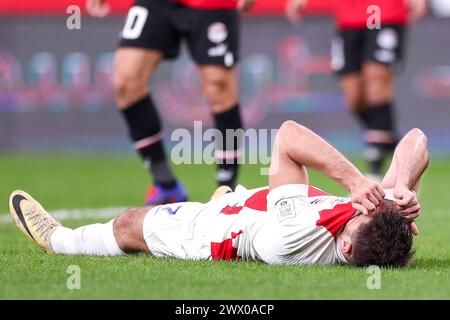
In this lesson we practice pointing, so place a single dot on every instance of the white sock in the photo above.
(94, 239)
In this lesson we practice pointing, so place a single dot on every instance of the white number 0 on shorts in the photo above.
(135, 22)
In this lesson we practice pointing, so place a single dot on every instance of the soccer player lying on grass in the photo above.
(288, 222)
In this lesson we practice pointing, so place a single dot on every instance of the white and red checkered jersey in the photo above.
(292, 224)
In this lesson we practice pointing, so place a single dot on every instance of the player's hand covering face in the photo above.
(408, 205)
(366, 195)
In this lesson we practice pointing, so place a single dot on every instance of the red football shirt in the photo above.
(352, 14)
(209, 4)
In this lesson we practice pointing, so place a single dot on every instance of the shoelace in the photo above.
(43, 225)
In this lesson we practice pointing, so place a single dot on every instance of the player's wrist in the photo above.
(403, 183)
(351, 182)
(403, 187)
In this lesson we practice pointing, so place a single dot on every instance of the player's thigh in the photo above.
(383, 56)
(217, 74)
(146, 37)
(378, 82)
(135, 64)
(133, 68)
(169, 231)
(214, 37)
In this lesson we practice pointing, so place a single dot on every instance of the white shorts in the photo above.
(170, 231)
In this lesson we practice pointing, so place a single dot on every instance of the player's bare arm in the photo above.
(417, 9)
(294, 10)
(98, 8)
(245, 5)
(297, 147)
(409, 162)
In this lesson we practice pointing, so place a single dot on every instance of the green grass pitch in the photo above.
(65, 182)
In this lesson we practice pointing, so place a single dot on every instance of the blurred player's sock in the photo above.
(227, 150)
(380, 136)
(145, 130)
(363, 117)
(95, 239)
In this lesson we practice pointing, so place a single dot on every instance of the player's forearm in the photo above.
(306, 148)
(411, 157)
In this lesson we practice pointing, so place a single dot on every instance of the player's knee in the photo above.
(219, 93)
(127, 230)
(128, 89)
(377, 84)
(377, 93)
(121, 224)
(214, 90)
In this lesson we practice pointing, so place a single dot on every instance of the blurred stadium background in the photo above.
(55, 93)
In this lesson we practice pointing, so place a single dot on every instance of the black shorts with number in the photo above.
(350, 49)
(212, 36)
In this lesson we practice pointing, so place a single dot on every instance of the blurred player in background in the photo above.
(365, 57)
(152, 32)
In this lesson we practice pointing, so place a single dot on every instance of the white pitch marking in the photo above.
(76, 214)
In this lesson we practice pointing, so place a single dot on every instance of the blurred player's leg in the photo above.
(352, 86)
(368, 95)
(382, 57)
(214, 46)
(221, 92)
(147, 37)
(380, 134)
(347, 59)
(364, 59)
(132, 71)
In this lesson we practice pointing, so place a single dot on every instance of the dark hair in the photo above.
(386, 240)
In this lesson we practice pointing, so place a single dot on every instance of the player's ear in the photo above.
(346, 246)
